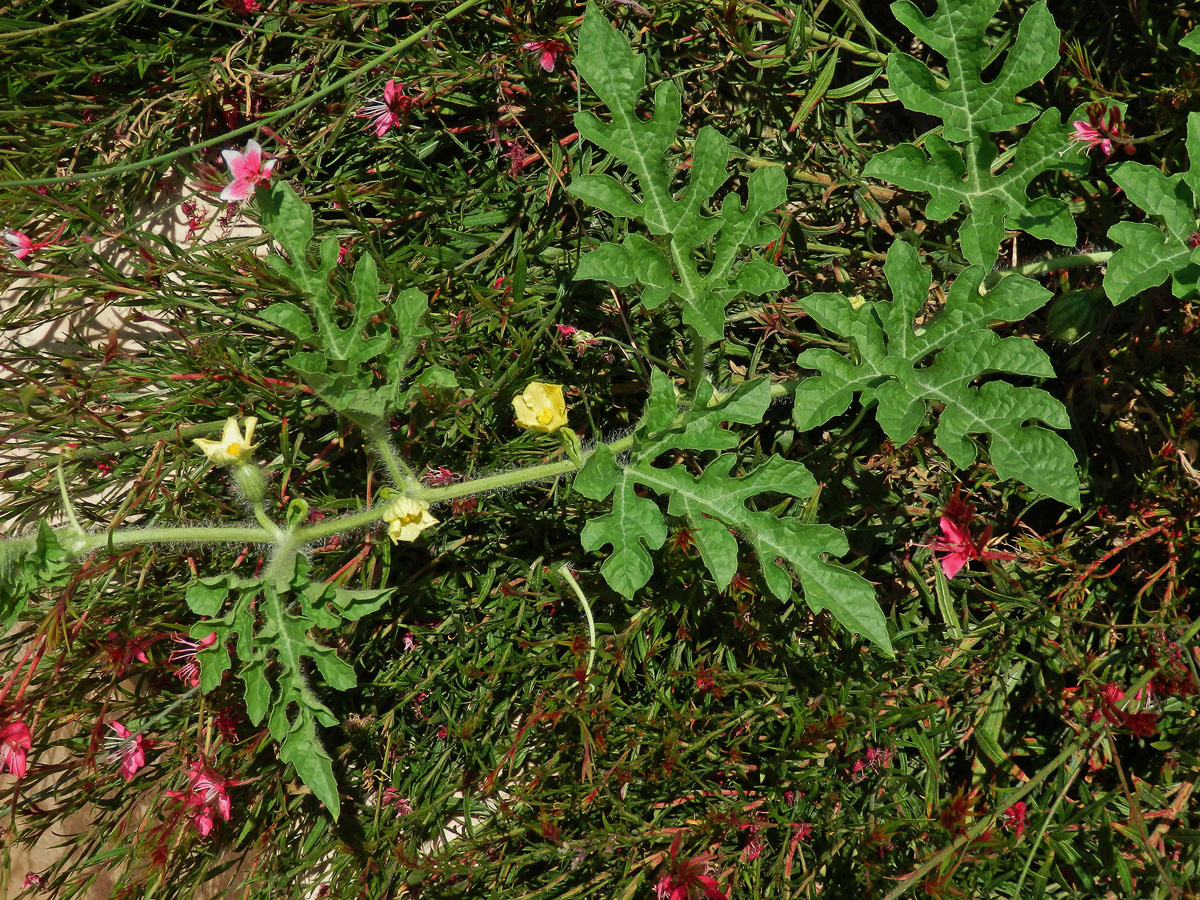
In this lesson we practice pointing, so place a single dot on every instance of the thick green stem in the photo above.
(264, 520)
(1045, 266)
(182, 534)
(403, 477)
(287, 543)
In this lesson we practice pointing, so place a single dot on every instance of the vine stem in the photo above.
(270, 533)
(1055, 263)
(565, 571)
(401, 473)
(252, 127)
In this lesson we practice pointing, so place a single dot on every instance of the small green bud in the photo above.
(297, 514)
(572, 445)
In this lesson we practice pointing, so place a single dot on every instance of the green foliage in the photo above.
(901, 367)
(962, 166)
(24, 574)
(341, 366)
(486, 743)
(665, 265)
(1150, 254)
(714, 503)
(271, 619)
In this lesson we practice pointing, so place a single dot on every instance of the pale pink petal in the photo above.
(204, 823)
(120, 729)
(132, 761)
(20, 244)
(236, 191)
(252, 158)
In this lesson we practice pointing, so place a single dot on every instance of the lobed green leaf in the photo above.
(970, 175)
(903, 369)
(682, 224)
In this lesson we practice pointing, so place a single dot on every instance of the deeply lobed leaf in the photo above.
(271, 621)
(341, 366)
(903, 369)
(958, 169)
(1151, 254)
(668, 266)
(714, 504)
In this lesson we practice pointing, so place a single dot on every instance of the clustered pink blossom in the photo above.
(389, 112)
(391, 797)
(1107, 706)
(1014, 817)
(875, 759)
(15, 741)
(248, 170)
(122, 651)
(185, 657)
(130, 749)
(206, 798)
(957, 544)
(688, 879)
(1103, 129)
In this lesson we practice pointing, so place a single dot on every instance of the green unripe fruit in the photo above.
(1076, 314)
(251, 482)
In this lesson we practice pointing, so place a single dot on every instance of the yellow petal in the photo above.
(232, 449)
(406, 518)
(541, 407)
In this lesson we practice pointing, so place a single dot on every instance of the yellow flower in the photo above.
(540, 407)
(407, 517)
(232, 449)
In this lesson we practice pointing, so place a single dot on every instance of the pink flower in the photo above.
(32, 879)
(14, 741)
(391, 797)
(206, 797)
(1102, 129)
(121, 652)
(387, 113)
(1092, 137)
(128, 748)
(439, 477)
(248, 171)
(18, 242)
(1014, 817)
(956, 542)
(549, 51)
(185, 653)
(688, 879)
(22, 245)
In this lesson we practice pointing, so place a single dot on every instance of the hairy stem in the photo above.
(402, 475)
(270, 533)
(1054, 264)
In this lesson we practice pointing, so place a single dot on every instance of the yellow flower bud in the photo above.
(232, 449)
(406, 518)
(540, 407)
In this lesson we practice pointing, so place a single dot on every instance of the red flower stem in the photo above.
(17, 671)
